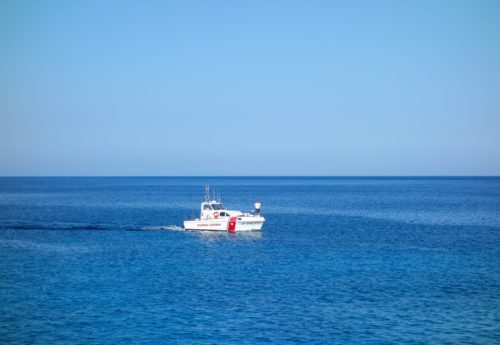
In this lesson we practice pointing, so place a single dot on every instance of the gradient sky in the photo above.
(250, 87)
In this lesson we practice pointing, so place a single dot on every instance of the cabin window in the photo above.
(206, 207)
(217, 206)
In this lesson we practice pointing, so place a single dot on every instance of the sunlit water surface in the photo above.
(340, 260)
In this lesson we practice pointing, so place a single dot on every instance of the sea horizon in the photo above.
(261, 176)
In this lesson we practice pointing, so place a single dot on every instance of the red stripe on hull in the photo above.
(231, 225)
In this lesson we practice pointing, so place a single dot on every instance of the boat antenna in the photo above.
(207, 193)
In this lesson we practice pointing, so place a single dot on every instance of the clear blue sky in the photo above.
(250, 87)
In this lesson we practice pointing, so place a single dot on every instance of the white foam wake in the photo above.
(164, 227)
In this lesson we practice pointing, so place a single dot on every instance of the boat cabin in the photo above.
(212, 206)
(213, 209)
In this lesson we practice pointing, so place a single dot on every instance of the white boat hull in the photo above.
(237, 223)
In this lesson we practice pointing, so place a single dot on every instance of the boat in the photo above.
(215, 217)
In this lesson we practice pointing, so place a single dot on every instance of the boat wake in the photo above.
(54, 226)
(87, 227)
(158, 228)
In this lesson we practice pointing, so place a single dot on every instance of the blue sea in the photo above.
(339, 261)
